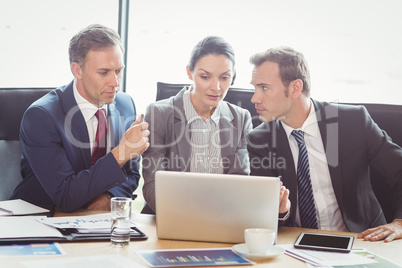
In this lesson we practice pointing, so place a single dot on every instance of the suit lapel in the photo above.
(328, 123)
(182, 132)
(114, 123)
(75, 125)
(228, 134)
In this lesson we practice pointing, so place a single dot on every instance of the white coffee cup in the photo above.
(259, 240)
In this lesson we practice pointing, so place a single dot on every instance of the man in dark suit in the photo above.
(323, 151)
(69, 160)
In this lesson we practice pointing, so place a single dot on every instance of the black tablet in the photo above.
(325, 242)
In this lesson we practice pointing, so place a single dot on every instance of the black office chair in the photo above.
(388, 117)
(13, 103)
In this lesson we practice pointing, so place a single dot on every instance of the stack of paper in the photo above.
(19, 207)
(59, 229)
(26, 227)
(99, 223)
(355, 258)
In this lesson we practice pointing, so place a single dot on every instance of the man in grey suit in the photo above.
(196, 130)
(341, 141)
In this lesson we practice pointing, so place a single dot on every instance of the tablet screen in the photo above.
(324, 242)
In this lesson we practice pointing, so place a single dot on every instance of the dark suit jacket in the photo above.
(352, 143)
(56, 155)
(170, 138)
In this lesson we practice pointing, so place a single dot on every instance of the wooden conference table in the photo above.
(146, 223)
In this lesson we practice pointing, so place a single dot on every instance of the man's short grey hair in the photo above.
(93, 37)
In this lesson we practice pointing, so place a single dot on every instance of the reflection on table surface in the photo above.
(146, 223)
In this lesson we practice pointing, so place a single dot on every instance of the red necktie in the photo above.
(99, 149)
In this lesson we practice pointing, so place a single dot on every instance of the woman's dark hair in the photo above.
(212, 45)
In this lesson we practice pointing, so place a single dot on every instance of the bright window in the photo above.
(35, 35)
(354, 48)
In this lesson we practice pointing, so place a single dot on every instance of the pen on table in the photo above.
(9, 212)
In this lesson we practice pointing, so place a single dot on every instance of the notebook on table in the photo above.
(41, 229)
(214, 207)
(18, 207)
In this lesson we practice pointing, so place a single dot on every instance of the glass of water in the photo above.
(121, 220)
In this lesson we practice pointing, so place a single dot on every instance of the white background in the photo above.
(354, 47)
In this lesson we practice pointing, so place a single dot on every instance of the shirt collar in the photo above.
(310, 126)
(190, 112)
(88, 110)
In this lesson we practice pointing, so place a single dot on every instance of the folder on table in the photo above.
(37, 229)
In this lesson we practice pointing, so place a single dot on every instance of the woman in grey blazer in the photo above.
(196, 131)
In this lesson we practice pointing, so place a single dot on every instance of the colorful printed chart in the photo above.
(192, 257)
(44, 249)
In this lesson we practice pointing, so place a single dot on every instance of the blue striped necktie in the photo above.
(308, 216)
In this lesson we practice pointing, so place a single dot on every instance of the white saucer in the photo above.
(243, 251)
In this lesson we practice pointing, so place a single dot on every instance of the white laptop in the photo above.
(214, 207)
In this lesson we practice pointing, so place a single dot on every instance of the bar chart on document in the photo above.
(192, 257)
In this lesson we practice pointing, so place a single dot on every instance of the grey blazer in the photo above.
(170, 139)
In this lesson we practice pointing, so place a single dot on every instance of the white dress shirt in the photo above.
(205, 139)
(88, 110)
(327, 209)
